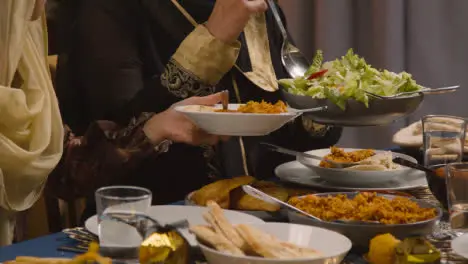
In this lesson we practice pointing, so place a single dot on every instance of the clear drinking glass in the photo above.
(117, 239)
(457, 192)
(443, 139)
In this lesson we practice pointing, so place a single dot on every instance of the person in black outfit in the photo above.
(119, 58)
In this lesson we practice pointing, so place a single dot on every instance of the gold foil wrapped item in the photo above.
(167, 247)
(416, 250)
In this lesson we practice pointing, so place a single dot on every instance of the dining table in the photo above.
(60, 245)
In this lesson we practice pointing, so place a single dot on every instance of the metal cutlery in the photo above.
(441, 90)
(306, 155)
(293, 60)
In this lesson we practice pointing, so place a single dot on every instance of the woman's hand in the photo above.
(174, 126)
(229, 17)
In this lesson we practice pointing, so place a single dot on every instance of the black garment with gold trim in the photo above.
(106, 69)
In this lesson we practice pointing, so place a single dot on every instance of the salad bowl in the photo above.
(379, 112)
(354, 92)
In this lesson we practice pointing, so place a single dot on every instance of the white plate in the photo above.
(295, 172)
(353, 178)
(167, 214)
(460, 245)
(332, 245)
(235, 124)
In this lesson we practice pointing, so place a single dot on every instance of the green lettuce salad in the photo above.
(346, 78)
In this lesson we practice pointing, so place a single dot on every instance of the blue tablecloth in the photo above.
(45, 246)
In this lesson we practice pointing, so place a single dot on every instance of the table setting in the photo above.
(333, 205)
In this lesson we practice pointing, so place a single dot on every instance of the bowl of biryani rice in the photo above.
(377, 214)
(250, 119)
(372, 169)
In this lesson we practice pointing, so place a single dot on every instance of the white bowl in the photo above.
(332, 246)
(356, 178)
(235, 124)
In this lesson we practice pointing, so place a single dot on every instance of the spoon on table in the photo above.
(254, 192)
(339, 165)
(293, 60)
(410, 164)
(441, 90)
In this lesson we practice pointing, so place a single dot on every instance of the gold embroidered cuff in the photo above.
(205, 56)
(314, 129)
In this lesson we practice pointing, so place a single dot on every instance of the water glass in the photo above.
(443, 139)
(117, 239)
(457, 192)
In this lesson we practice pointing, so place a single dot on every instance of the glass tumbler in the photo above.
(119, 211)
(457, 192)
(443, 139)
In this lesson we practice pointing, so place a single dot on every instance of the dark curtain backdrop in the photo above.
(428, 38)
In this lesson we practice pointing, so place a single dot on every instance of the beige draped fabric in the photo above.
(31, 132)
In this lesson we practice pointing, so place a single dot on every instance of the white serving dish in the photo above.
(235, 124)
(332, 246)
(358, 178)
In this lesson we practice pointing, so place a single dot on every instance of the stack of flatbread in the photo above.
(244, 240)
(411, 136)
(379, 162)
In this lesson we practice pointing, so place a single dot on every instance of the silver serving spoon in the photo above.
(339, 165)
(441, 90)
(311, 110)
(254, 192)
(293, 60)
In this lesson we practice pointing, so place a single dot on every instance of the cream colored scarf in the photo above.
(31, 132)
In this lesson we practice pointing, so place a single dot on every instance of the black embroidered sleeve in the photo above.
(182, 83)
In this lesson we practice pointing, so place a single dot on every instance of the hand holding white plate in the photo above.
(232, 123)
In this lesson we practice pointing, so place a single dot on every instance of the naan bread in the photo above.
(411, 136)
(219, 191)
(378, 162)
(216, 240)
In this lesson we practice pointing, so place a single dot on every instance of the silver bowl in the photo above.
(361, 234)
(379, 112)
